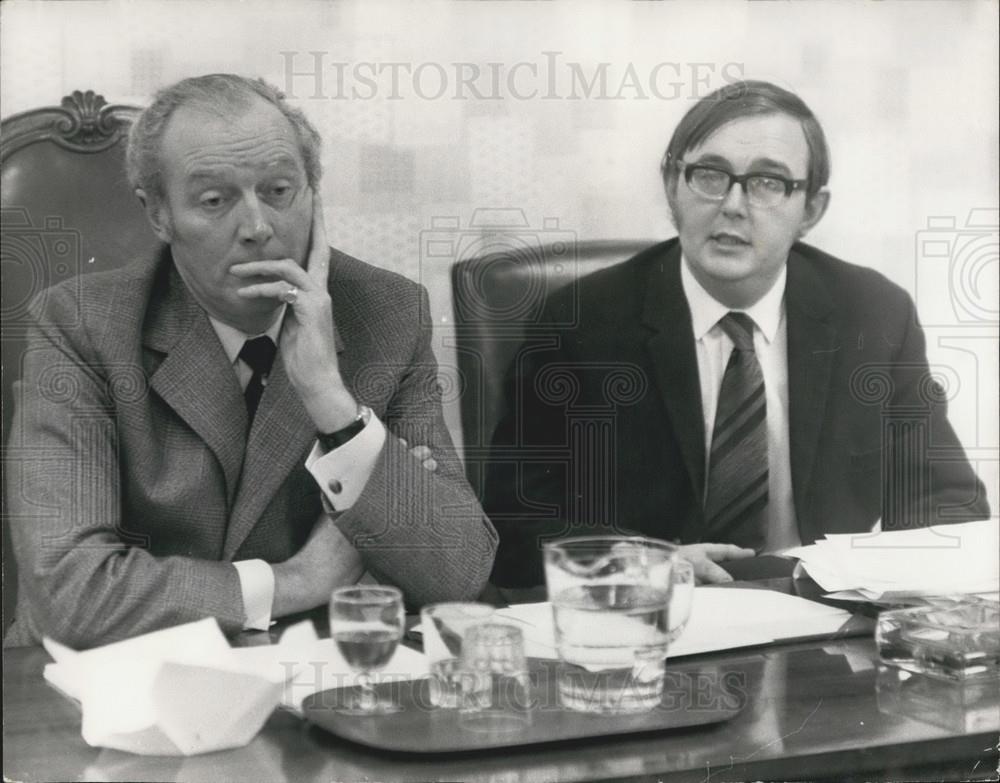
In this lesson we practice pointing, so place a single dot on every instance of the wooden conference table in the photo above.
(819, 709)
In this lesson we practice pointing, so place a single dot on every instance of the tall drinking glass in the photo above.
(610, 599)
(367, 623)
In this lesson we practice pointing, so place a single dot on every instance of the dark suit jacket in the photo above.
(132, 480)
(605, 430)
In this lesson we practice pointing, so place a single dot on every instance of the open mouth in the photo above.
(729, 240)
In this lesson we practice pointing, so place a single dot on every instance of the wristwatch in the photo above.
(329, 441)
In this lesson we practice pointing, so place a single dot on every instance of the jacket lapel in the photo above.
(195, 377)
(812, 347)
(279, 441)
(675, 366)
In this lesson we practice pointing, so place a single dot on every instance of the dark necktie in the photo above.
(738, 466)
(258, 353)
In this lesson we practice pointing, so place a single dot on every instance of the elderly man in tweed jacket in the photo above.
(160, 470)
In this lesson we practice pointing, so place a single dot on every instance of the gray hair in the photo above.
(217, 92)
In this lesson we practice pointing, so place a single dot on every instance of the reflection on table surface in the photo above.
(817, 709)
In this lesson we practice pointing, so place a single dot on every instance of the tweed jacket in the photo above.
(605, 431)
(133, 480)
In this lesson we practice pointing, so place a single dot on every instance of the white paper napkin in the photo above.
(184, 690)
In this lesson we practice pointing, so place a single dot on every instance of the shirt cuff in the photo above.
(257, 585)
(343, 473)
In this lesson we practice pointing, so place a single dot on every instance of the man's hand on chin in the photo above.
(705, 556)
(307, 345)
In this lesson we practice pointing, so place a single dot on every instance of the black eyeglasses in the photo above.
(762, 190)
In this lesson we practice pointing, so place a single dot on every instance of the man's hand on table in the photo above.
(704, 558)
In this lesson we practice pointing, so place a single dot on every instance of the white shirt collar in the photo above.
(706, 310)
(232, 339)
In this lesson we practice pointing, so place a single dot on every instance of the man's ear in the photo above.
(670, 189)
(814, 211)
(156, 213)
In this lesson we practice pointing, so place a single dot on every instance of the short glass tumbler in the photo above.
(443, 628)
(495, 686)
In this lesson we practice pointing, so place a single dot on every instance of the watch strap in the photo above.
(329, 441)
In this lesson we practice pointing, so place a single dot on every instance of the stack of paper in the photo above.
(184, 690)
(722, 618)
(893, 566)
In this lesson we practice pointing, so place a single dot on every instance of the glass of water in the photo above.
(366, 624)
(611, 601)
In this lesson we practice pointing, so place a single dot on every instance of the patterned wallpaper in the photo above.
(558, 114)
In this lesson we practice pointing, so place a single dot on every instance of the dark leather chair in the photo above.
(498, 300)
(66, 209)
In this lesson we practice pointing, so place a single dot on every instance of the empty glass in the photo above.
(443, 627)
(494, 678)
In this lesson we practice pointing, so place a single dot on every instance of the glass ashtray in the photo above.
(967, 706)
(952, 639)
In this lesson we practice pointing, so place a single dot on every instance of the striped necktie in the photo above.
(738, 464)
(258, 354)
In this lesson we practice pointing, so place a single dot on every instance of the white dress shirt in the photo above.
(346, 468)
(770, 339)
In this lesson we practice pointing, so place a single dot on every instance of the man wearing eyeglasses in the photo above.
(734, 388)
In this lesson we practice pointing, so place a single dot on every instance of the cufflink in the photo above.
(335, 486)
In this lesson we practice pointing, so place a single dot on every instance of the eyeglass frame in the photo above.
(791, 185)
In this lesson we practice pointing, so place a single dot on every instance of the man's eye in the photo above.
(211, 201)
(710, 177)
(767, 184)
(280, 191)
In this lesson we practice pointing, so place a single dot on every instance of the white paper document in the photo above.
(721, 619)
(938, 560)
(184, 690)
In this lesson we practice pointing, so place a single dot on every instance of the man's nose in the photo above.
(255, 227)
(735, 201)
